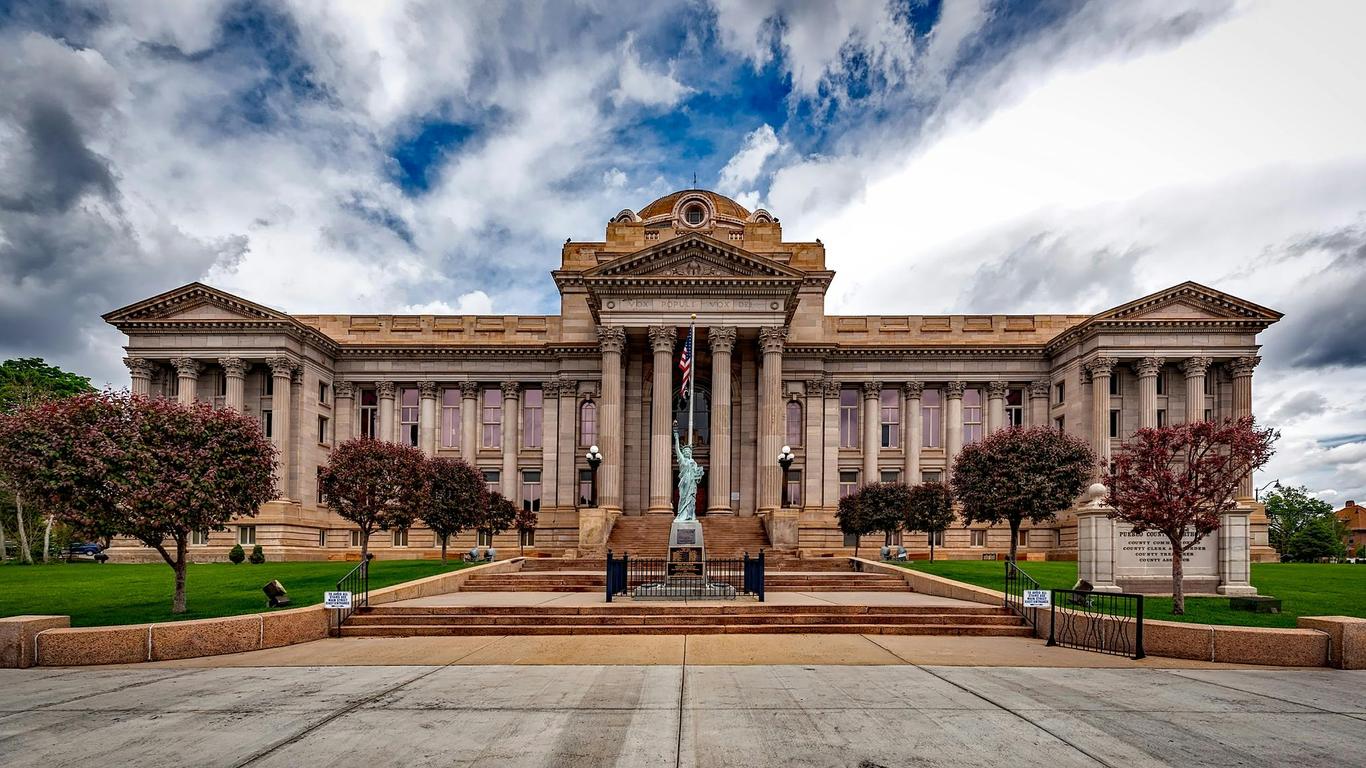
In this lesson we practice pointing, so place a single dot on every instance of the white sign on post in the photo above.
(337, 599)
(1037, 598)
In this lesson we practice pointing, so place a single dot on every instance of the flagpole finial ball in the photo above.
(694, 315)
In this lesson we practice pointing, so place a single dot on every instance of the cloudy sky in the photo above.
(328, 156)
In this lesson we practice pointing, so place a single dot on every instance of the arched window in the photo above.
(794, 423)
(588, 424)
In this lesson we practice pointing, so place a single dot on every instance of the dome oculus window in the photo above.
(694, 214)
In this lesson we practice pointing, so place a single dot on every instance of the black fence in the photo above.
(744, 574)
(357, 582)
(1017, 581)
(1105, 622)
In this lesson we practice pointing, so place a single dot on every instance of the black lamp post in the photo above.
(594, 457)
(785, 459)
(1257, 495)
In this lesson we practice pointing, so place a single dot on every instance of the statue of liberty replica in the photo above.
(685, 534)
(689, 472)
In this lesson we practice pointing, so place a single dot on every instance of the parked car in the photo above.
(88, 548)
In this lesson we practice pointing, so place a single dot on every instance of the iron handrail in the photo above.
(357, 582)
(1017, 581)
(1104, 622)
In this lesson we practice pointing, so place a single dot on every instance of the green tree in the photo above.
(456, 500)
(929, 508)
(1289, 511)
(1320, 537)
(874, 508)
(500, 515)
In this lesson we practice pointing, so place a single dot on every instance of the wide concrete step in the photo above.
(675, 619)
(623, 607)
(429, 630)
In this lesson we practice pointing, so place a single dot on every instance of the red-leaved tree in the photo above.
(874, 508)
(525, 520)
(456, 500)
(1020, 473)
(375, 484)
(1178, 480)
(929, 508)
(500, 515)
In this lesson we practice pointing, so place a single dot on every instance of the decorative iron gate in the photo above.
(744, 575)
(1105, 622)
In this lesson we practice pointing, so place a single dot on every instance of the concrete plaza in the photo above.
(669, 713)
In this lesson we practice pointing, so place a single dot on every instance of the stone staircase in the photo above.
(590, 576)
(677, 619)
(724, 535)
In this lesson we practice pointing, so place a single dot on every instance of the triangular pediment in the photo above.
(695, 256)
(195, 302)
(1189, 301)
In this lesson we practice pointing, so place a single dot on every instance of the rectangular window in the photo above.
(355, 538)
(266, 422)
(1161, 417)
(410, 403)
(483, 539)
(323, 388)
(1114, 382)
(794, 423)
(848, 482)
(529, 537)
(199, 538)
(1015, 408)
(223, 385)
(794, 487)
(890, 401)
(1022, 539)
(1209, 383)
(319, 486)
(972, 416)
(931, 476)
(849, 418)
(1114, 423)
(1209, 414)
(322, 537)
(585, 487)
(1060, 423)
(891, 475)
(588, 424)
(531, 490)
(1059, 393)
(851, 540)
(892, 538)
(246, 535)
(322, 429)
(979, 538)
(493, 418)
(492, 479)
(268, 383)
(1161, 382)
(400, 537)
(532, 403)
(935, 539)
(931, 425)
(369, 413)
(450, 418)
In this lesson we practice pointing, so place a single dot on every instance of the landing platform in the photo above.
(576, 599)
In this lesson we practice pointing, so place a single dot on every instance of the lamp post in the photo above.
(785, 459)
(594, 457)
(1257, 495)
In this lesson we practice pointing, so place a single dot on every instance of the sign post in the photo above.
(338, 600)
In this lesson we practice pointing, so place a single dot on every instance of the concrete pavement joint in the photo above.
(1351, 715)
(682, 688)
(54, 706)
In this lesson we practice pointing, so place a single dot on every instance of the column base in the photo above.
(655, 509)
(1111, 588)
(720, 511)
(1236, 590)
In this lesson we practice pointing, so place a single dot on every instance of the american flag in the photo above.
(685, 362)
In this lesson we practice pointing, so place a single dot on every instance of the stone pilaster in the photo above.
(1148, 369)
(387, 391)
(662, 340)
(234, 376)
(1241, 371)
(512, 412)
(953, 423)
(1235, 570)
(1195, 370)
(568, 482)
(831, 481)
(140, 373)
(187, 378)
(1038, 403)
(343, 410)
(911, 418)
(722, 340)
(612, 343)
(426, 416)
(282, 374)
(1100, 369)
(550, 444)
(469, 421)
(813, 443)
(996, 405)
(872, 430)
(771, 340)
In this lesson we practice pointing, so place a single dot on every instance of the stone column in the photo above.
(426, 417)
(953, 423)
(612, 342)
(872, 430)
(813, 450)
(343, 410)
(569, 446)
(1195, 369)
(910, 470)
(1148, 369)
(282, 373)
(235, 374)
(386, 390)
(771, 339)
(469, 421)
(662, 339)
(1100, 370)
(1235, 571)
(831, 480)
(140, 373)
(187, 378)
(550, 443)
(1241, 371)
(722, 340)
(1096, 542)
(1038, 403)
(296, 435)
(512, 404)
(996, 405)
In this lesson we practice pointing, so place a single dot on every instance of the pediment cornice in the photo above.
(1189, 307)
(693, 257)
(199, 308)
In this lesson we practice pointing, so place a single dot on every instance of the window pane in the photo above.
(972, 416)
(532, 400)
(588, 424)
(493, 418)
(531, 490)
(890, 401)
(450, 418)
(849, 418)
(931, 423)
(794, 422)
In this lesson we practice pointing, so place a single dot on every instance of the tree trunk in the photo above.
(443, 549)
(25, 556)
(364, 543)
(1178, 574)
(178, 602)
(47, 538)
(4, 548)
(1014, 538)
(931, 546)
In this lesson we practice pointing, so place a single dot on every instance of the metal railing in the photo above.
(357, 582)
(1017, 581)
(745, 575)
(1105, 622)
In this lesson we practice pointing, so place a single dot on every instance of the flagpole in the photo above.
(692, 378)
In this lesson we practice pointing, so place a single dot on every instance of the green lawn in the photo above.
(95, 595)
(1305, 589)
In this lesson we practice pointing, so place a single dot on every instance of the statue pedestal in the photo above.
(687, 554)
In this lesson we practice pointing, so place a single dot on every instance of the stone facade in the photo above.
(858, 398)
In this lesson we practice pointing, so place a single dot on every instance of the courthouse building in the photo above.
(859, 398)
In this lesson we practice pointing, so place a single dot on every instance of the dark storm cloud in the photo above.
(1300, 405)
(1324, 326)
(58, 167)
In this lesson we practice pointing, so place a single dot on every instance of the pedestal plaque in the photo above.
(687, 554)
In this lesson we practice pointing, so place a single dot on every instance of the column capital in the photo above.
(427, 389)
(187, 366)
(139, 366)
(296, 375)
(1196, 367)
(953, 390)
(611, 338)
(469, 389)
(772, 338)
(386, 390)
(1149, 367)
(511, 389)
(1100, 367)
(872, 390)
(996, 390)
(343, 389)
(568, 387)
(281, 366)
(1242, 366)
(832, 388)
(1038, 390)
(663, 337)
(913, 389)
(815, 387)
(721, 338)
(550, 388)
(234, 367)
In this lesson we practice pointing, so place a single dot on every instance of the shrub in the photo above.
(236, 555)
(257, 556)
(1361, 551)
